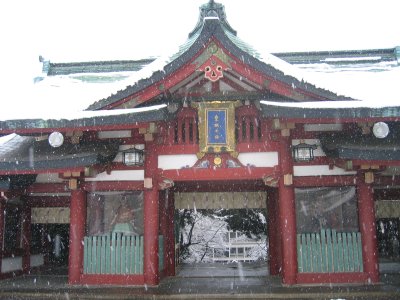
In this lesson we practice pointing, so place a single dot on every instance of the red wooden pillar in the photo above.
(151, 218)
(367, 223)
(2, 229)
(274, 237)
(26, 237)
(169, 255)
(76, 234)
(287, 213)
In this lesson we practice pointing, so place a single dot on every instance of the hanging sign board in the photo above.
(216, 127)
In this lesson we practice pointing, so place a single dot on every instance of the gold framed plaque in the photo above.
(216, 127)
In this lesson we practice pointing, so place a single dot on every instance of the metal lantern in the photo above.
(133, 157)
(303, 152)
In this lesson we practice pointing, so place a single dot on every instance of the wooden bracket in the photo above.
(271, 181)
(73, 184)
(369, 177)
(284, 127)
(75, 136)
(148, 183)
(365, 127)
(288, 179)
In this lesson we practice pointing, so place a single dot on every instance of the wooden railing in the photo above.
(329, 252)
(116, 253)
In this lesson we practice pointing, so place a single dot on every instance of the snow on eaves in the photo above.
(374, 84)
(84, 114)
(6, 138)
(301, 75)
(146, 73)
(326, 104)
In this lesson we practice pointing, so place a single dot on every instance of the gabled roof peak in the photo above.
(212, 10)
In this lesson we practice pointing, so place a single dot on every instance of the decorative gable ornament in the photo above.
(213, 62)
(213, 68)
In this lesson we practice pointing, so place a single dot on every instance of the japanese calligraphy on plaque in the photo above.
(216, 127)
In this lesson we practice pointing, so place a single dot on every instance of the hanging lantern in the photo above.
(133, 157)
(303, 152)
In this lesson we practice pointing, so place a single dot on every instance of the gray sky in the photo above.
(81, 30)
(108, 29)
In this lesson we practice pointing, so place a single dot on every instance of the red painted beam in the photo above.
(314, 181)
(48, 188)
(96, 186)
(245, 173)
(65, 129)
(336, 120)
(238, 185)
(44, 171)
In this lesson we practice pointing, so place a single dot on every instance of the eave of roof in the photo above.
(305, 111)
(342, 57)
(95, 66)
(89, 119)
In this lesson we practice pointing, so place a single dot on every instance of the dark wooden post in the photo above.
(274, 237)
(26, 236)
(169, 257)
(76, 235)
(2, 229)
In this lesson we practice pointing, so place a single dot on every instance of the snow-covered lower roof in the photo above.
(329, 110)
(87, 119)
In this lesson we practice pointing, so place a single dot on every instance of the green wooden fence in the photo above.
(116, 253)
(329, 252)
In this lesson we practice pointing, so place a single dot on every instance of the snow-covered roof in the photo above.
(332, 110)
(65, 121)
(70, 94)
